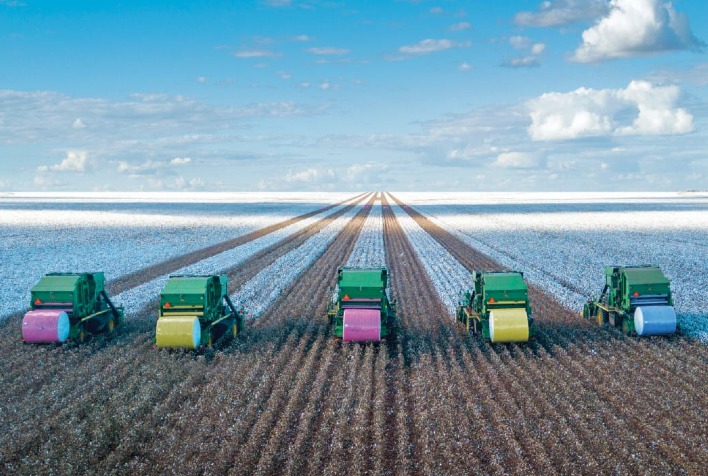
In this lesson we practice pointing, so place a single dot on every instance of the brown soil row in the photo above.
(581, 399)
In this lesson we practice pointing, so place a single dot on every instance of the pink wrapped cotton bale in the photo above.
(362, 325)
(45, 326)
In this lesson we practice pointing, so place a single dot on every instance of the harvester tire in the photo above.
(601, 316)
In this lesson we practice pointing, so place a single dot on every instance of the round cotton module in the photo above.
(655, 320)
(178, 331)
(362, 325)
(45, 326)
(508, 325)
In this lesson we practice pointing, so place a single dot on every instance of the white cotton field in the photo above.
(260, 291)
(369, 250)
(68, 233)
(563, 243)
(448, 276)
(134, 299)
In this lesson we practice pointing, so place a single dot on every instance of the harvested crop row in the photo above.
(598, 374)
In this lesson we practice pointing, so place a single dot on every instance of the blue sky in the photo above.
(334, 95)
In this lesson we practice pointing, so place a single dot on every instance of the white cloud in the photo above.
(436, 10)
(639, 109)
(75, 161)
(180, 161)
(464, 66)
(461, 26)
(13, 3)
(311, 175)
(636, 27)
(254, 54)
(302, 38)
(538, 48)
(517, 160)
(284, 75)
(78, 124)
(191, 184)
(328, 51)
(428, 46)
(201, 79)
(520, 42)
(522, 62)
(562, 12)
(325, 85)
(278, 3)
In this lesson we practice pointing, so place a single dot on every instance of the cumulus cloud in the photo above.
(78, 124)
(328, 51)
(522, 62)
(639, 109)
(636, 27)
(464, 66)
(538, 48)
(528, 61)
(562, 12)
(311, 175)
(302, 38)
(428, 46)
(75, 161)
(518, 160)
(180, 161)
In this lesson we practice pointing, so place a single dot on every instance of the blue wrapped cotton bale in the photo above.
(655, 320)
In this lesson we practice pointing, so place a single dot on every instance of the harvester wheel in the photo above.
(601, 316)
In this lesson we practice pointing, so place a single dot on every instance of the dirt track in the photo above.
(287, 399)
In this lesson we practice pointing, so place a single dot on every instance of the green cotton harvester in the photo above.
(69, 306)
(498, 307)
(196, 311)
(362, 311)
(637, 299)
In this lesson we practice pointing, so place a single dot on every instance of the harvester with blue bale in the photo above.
(362, 311)
(196, 311)
(498, 307)
(69, 307)
(636, 299)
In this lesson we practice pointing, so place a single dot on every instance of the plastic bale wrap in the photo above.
(45, 326)
(179, 331)
(508, 325)
(655, 320)
(362, 325)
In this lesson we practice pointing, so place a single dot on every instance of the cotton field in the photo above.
(566, 250)
(285, 397)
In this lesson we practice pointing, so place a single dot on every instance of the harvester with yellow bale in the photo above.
(498, 307)
(196, 311)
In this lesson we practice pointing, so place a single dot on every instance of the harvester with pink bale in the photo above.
(362, 311)
(69, 306)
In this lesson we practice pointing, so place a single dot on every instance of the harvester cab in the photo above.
(362, 311)
(637, 299)
(196, 310)
(69, 306)
(498, 307)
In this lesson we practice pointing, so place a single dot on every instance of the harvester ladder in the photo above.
(110, 304)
